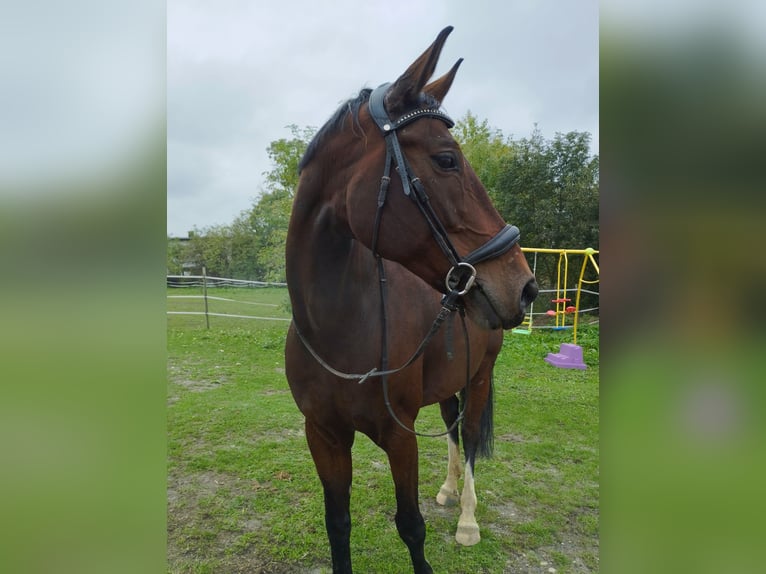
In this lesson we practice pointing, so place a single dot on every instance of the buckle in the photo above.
(453, 282)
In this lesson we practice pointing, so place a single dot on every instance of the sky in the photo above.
(240, 71)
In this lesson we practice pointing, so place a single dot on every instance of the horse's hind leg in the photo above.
(448, 493)
(402, 451)
(467, 528)
(332, 458)
(477, 439)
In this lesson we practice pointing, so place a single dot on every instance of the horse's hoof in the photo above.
(467, 533)
(447, 497)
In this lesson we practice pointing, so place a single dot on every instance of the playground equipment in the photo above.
(568, 357)
(525, 328)
(564, 314)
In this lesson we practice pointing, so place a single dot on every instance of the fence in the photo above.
(209, 281)
(206, 282)
(563, 315)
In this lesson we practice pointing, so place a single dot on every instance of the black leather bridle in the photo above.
(461, 276)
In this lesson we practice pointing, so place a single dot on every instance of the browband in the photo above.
(378, 112)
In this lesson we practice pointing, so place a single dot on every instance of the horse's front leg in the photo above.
(402, 451)
(332, 458)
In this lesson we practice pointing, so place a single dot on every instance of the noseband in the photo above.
(461, 276)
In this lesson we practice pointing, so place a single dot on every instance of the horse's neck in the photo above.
(330, 275)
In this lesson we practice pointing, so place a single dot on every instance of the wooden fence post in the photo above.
(204, 295)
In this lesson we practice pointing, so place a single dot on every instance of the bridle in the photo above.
(462, 274)
(461, 277)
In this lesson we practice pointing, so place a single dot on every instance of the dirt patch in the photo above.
(517, 438)
(184, 378)
(573, 554)
(543, 560)
(179, 376)
(195, 534)
(272, 392)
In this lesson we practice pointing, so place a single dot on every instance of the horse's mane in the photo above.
(335, 123)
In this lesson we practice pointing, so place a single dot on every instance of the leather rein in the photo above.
(459, 280)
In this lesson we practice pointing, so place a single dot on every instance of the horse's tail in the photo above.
(487, 423)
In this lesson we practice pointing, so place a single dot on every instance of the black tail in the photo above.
(487, 424)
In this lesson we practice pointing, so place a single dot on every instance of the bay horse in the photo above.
(391, 233)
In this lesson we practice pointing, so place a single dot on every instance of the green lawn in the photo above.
(243, 495)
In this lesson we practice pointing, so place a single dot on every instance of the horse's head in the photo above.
(436, 218)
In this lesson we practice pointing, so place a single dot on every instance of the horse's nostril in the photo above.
(529, 293)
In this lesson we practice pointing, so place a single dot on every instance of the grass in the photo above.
(243, 495)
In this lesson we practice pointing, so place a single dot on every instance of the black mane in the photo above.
(335, 123)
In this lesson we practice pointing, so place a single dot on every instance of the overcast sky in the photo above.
(240, 71)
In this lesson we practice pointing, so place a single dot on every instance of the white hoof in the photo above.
(447, 497)
(467, 533)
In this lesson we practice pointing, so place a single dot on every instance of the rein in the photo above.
(461, 276)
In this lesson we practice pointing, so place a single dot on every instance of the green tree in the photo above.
(224, 250)
(243, 249)
(485, 149)
(211, 247)
(269, 219)
(270, 214)
(176, 256)
(550, 189)
(253, 245)
(285, 155)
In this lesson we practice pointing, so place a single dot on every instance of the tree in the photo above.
(211, 247)
(270, 214)
(550, 188)
(253, 245)
(285, 156)
(243, 248)
(176, 256)
(268, 220)
(485, 149)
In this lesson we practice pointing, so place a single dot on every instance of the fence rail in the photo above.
(208, 313)
(222, 299)
(206, 282)
(562, 293)
(202, 280)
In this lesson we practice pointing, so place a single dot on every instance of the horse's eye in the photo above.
(445, 161)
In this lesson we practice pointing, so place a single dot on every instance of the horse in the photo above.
(391, 237)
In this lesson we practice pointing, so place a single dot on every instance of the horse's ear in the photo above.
(404, 92)
(439, 88)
